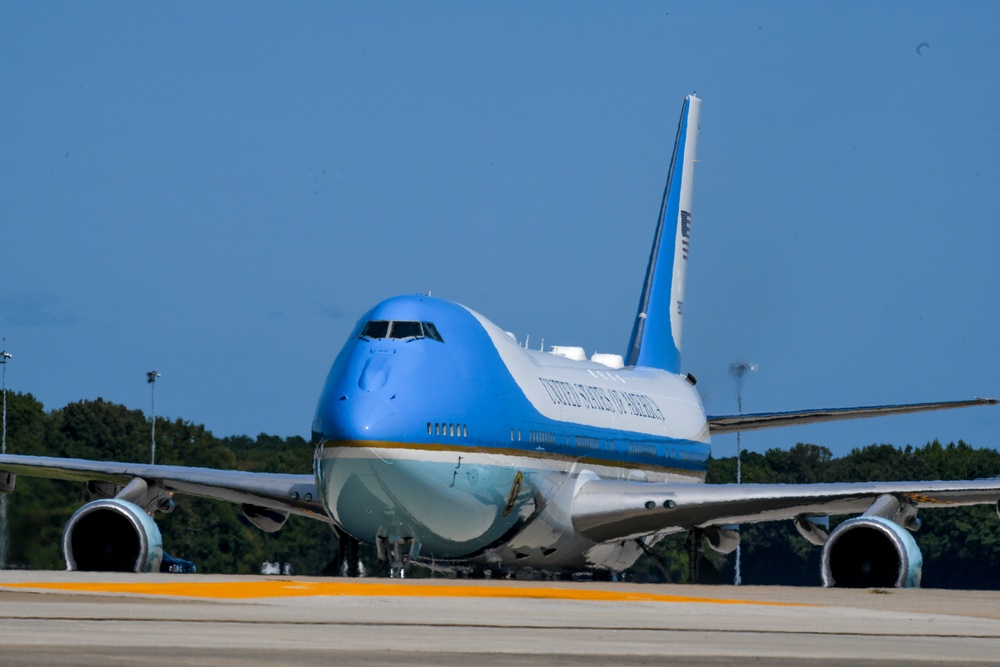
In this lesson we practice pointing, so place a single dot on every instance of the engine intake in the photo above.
(871, 552)
(112, 535)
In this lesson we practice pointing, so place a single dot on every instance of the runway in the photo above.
(62, 618)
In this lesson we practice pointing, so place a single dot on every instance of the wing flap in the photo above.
(290, 493)
(749, 422)
(606, 510)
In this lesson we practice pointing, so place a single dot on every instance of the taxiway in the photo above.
(64, 618)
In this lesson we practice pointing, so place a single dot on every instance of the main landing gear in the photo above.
(348, 560)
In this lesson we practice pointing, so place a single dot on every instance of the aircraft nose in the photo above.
(375, 372)
(361, 417)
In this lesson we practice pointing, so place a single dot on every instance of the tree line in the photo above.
(961, 546)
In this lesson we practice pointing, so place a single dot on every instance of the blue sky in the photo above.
(219, 190)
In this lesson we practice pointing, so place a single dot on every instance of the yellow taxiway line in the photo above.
(293, 588)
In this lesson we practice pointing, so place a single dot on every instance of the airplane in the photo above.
(446, 443)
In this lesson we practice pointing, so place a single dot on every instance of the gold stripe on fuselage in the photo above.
(505, 452)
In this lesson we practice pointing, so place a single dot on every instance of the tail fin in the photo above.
(656, 336)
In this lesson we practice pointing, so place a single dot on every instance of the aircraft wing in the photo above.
(611, 510)
(749, 422)
(295, 494)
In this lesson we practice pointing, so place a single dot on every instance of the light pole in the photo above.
(5, 356)
(738, 370)
(151, 379)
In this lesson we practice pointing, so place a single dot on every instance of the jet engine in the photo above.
(871, 552)
(112, 535)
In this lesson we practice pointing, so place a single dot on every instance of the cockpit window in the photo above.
(431, 332)
(405, 329)
(375, 329)
(400, 329)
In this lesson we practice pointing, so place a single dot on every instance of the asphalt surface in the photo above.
(62, 618)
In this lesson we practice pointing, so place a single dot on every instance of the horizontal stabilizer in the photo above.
(733, 423)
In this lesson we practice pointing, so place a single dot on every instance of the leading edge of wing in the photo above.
(749, 422)
(286, 492)
(611, 510)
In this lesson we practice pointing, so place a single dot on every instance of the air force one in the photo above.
(445, 443)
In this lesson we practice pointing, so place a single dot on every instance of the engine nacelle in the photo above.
(871, 552)
(112, 535)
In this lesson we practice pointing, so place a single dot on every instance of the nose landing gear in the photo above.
(398, 552)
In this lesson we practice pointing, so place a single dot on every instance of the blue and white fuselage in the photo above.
(436, 431)
(457, 443)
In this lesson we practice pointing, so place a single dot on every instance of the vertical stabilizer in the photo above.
(656, 336)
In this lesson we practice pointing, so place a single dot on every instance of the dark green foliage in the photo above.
(100, 430)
